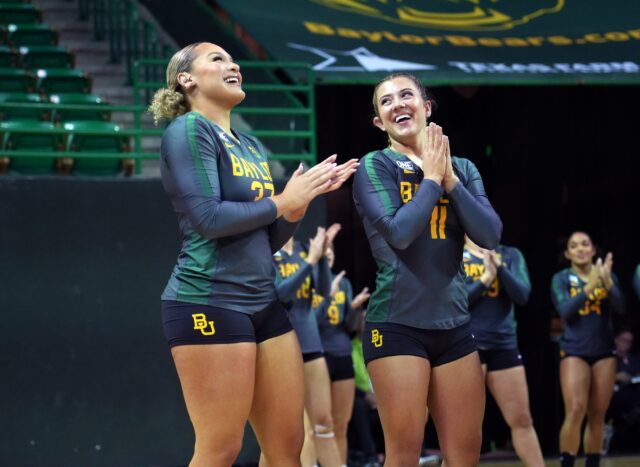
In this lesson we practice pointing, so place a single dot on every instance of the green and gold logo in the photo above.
(201, 324)
(463, 15)
(376, 338)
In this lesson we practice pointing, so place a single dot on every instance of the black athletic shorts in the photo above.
(439, 346)
(340, 367)
(500, 359)
(308, 356)
(189, 323)
(590, 359)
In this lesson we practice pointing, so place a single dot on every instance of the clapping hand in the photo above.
(359, 299)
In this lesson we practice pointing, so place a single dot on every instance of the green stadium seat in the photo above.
(22, 112)
(31, 34)
(91, 113)
(46, 57)
(17, 80)
(18, 136)
(9, 58)
(19, 13)
(63, 80)
(98, 137)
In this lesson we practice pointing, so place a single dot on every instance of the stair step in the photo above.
(93, 58)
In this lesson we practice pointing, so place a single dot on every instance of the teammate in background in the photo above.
(337, 318)
(417, 202)
(231, 341)
(496, 280)
(636, 281)
(304, 277)
(585, 295)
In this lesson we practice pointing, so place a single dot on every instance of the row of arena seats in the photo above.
(20, 35)
(50, 81)
(18, 12)
(33, 57)
(76, 137)
(34, 69)
(94, 107)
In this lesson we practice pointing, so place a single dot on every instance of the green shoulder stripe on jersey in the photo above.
(202, 256)
(380, 301)
(522, 270)
(195, 154)
(377, 184)
(556, 283)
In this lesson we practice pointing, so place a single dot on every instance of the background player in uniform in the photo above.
(417, 202)
(338, 315)
(584, 295)
(304, 277)
(496, 279)
(230, 339)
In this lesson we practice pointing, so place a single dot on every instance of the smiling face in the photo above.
(213, 76)
(401, 108)
(580, 250)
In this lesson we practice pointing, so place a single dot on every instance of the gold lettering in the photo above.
(515, 42)
(490, 42)
(463, 41)
(265, 169)
(412, 39)
(257, 186)
(316, 300)
(617, 36)
(392, 37)
(594, 38)
(635, 33)
(236, 165)
(433, 40)
(405, 192)
(349, 33)
(319, 28)
(493, 289)
(375, 36)
(248, 170)
(305, 289)
(334, 314)
(559, 40)
(256, 169)
(535, 40)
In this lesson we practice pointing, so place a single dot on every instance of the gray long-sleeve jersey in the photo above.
(492, 309)
(416, 233)
(588, 330)
(220, 186)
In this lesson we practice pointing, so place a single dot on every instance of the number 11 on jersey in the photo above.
(438, 219)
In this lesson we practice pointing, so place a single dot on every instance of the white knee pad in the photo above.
(322, 431)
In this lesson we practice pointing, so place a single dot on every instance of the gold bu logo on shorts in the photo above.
(376, 338)
(201, 324)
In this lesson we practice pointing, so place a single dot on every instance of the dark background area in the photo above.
(553, 160)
